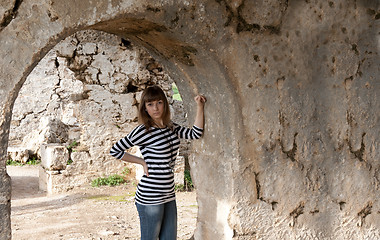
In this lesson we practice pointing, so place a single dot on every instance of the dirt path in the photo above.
(106, 213)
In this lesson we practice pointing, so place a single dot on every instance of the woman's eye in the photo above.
(160, 102)
(149, 104)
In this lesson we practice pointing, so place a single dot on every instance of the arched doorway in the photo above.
(76, 92)
(189, 64)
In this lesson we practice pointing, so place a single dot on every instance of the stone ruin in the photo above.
(291, 143)
(79, 100)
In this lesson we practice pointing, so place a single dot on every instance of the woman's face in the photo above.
(155, 109)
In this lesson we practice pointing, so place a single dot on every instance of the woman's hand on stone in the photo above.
(200, 99)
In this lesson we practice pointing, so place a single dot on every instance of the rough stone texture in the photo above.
(179, 170)
(54, 156)
(291, 144)
(85, 91)
(18, 154)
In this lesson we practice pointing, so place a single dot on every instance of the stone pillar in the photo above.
(54, 159)
(5, 180)
(5, 205)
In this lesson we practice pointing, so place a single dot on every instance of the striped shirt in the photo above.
(159, 148)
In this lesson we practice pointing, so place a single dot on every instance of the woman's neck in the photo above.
(159, 123)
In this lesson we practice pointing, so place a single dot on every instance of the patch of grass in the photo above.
(118, 198)
(188, 181)
(72, 145)
(188, 186)
(11, 162)
(121, 198)
(71, 148)
(179, 188)
(113, 180)
(31, 161)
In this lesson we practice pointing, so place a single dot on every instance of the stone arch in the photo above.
(188, 63)
(292, 122)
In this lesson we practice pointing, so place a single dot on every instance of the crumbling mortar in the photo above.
(58, 74)
(354, 47)
(377, 178)
(296, 213)
(359, 154)
(259, 192)
(153, 9)
(10, 15)
(291, 154)
(242, 23)
(24, 116)
(367, 210)
(358, 72)
(78, 69)
(230, 13)
(238, 235)
(258, 186)
(243, 26)
(313, 212)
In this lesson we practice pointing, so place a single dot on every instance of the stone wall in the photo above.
(84, 95)
(291, 142)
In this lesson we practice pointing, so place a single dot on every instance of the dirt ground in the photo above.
(105, 213)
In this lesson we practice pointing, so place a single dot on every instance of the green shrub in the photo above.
(188, 186)
(71, 148)
(72, 145)
(188, 181)
(10, 162)
(31, 161)
(112, 180)
(179, 187)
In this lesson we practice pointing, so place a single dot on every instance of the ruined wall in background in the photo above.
(84, 95)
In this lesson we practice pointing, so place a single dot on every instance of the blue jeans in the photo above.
(158, 221)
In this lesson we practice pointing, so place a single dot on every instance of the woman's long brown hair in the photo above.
(153, 93)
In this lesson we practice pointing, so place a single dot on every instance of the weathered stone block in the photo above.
(52, 181)
(54, 156)
(89, 48)
(81, 162)
(18, 154)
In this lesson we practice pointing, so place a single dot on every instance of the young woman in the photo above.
(158, 139)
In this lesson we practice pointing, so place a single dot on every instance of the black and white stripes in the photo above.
(159, 147)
